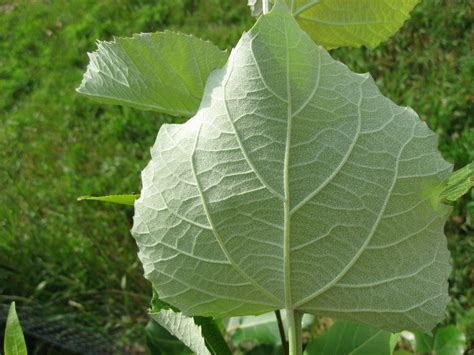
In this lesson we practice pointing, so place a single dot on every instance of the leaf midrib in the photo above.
(286, 190)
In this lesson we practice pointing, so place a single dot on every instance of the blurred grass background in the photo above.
(78, 260)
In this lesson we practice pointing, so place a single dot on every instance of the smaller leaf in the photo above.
(447, 340)
(184, 328)
(346, 337)
(119, 199)
(266, 350)
(160, 341)
(14, 343)
(352, 23)
(163, 71)
(394, 339)
(423, 342)
(212, 336)
(459, 183)
(262, 329)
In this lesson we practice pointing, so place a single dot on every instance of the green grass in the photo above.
(55, 145)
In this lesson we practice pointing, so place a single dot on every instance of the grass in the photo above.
(78, 258)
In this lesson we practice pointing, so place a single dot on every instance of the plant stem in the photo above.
(294, 331)
(281, 329)
(265, 6)
(299, 331)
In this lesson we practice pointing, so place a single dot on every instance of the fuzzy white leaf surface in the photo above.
(297, 185)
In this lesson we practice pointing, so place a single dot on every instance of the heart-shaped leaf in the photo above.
(296, 185)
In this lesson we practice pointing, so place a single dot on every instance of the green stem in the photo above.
(299, 331)
(281, 329)
(294, 331)
(265, 6)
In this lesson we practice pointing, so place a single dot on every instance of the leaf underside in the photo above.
(183, 328)
(296, 185)
(353, 23)
(164, 72)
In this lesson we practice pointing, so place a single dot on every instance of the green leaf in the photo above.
(297, 185)
(162, 342)
(394, 339)
(14, 342)
(424, 342)
(266, 350)
(162, 71)
(262, 329)
(213, 337)
(183, 328)
(353, 23)
(157, 304)
(215, 342)
(351, 338)
(447, 340)
(459, 183)
(120, 199)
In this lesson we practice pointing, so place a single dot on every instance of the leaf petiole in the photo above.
(281, 329)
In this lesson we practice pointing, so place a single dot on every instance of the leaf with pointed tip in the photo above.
(352, 338)
(14, 343)
(296, 185)
(161, 71)
(458, 184)
(352, 23)
(119, 199)
(184, 328)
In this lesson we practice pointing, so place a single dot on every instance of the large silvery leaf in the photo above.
(162, 71)
(353, 23)
(296, 186)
